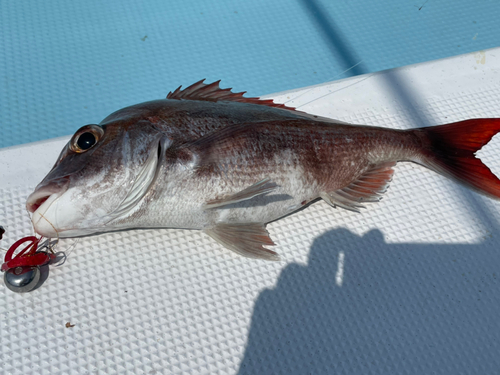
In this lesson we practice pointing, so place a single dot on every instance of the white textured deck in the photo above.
(410, 286)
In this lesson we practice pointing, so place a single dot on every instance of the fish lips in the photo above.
(41, 199)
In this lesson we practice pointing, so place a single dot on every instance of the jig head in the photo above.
(22, 271)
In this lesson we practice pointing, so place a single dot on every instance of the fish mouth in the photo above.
(45, 191)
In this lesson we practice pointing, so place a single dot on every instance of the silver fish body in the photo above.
(209, 159)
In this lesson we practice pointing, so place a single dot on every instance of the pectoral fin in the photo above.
(245, 239)
(262, 187)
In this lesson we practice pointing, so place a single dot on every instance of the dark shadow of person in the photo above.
(393, 309)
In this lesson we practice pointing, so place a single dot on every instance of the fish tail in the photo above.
(450, 150)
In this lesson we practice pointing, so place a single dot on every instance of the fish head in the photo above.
(100, 176)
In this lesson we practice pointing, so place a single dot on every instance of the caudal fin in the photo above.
(451, 152)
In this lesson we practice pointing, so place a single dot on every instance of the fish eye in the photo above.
(86, 138)
(86, 141)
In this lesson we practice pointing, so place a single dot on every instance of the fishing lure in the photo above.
(22, 270)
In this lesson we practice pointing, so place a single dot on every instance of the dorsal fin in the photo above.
(213, 93)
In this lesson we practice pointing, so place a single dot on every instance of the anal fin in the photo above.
(247, 239)
(262, 187)
(368, 187)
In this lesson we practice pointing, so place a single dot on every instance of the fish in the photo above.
(211, 159)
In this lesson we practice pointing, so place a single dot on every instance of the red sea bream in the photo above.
(209, 159)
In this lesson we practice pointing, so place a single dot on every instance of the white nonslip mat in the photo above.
(409, 286)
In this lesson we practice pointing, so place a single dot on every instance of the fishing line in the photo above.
(50, 247)
(332, 92)
(332, 79)
(53, 227)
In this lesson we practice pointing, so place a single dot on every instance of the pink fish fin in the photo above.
(213, 93)
(247, 239)
(262, 187)
(449, 150)
(368, 187)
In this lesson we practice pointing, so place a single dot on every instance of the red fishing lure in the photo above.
(22, 269)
